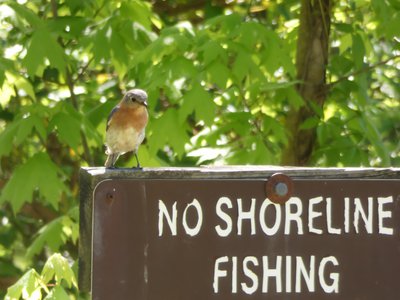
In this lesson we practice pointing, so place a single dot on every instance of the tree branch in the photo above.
(70, 83)
(311, 63)
(162, 7)
(363, 70)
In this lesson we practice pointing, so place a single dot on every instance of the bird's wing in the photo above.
(114, 110)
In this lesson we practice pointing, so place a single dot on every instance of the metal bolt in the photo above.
(109, 198)
(281, 189)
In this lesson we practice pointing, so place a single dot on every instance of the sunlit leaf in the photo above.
(57, 267)
(43, 45)
(38, 173)
(58, 293)
(28, 287)
(197, 100)
(50, 235)
(168, 130)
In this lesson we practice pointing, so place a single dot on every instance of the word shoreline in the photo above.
(291, 218)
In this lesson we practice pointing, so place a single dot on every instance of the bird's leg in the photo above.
(138, 166)
(111, 160)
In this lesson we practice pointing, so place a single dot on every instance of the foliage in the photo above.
(221, 78)
(31, 285)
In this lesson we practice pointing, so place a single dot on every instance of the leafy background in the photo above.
(223, 83)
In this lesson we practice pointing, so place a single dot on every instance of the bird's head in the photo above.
(135, 97)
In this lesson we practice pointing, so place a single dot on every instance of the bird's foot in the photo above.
(137, 168)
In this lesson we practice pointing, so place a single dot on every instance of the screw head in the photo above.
(279, 188)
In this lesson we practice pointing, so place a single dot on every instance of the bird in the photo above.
(126, 126)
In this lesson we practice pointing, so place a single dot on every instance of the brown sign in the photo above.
(224, 239)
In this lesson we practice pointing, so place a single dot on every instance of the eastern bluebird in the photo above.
(126, 126)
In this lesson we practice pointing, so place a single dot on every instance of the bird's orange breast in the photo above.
(135, 117)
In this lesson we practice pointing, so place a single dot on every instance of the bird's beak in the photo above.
(145, 103)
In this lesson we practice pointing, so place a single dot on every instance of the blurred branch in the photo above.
(83, 70)
(99, 9)
(70, 84)
(163, 7)
(74, 100)
(311, 63)
(38, 211)
(255, 121)
(363, 70)
(7, 281)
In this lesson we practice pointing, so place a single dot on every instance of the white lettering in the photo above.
(163, 213)
(218, 273)
(246, 215)
(250, 289)
(224, 216)
(359, 211)
(309, 276)
(278, 216)
(193, 231)
(270, 272)
(293, 216)
(383, 214)
(234, 274)
(331, 230)
(347, 214)
(334, 286)
(288, 274)
(313, 214)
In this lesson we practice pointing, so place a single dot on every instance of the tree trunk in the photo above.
(311, 62)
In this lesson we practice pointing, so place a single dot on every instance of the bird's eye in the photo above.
(133, 98)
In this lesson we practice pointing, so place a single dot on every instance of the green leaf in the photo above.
(227, 23)
(5, 65)
(51, 235)
(199, 101)
(25, 127)
(374, 137)
(7, 137)
(181, 67)
(213, 51)
(38, 173)
(358, 50)
(295, 100)
(218, 74)
(119, 52)
(272, 86)
(44, 45)
(345, 43)
(168, 130)
(68, 128)
(272, 127)
(137, 10)
(209, 154)
(239, 122)
(21, 83)
(74, 24)
(58, 267)
(27, 14)
(241, 66)
(58, 293)
(392, 26)
(101, 45)
(19, 130)
(28, 287)
(309, 123)
(70, 229)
